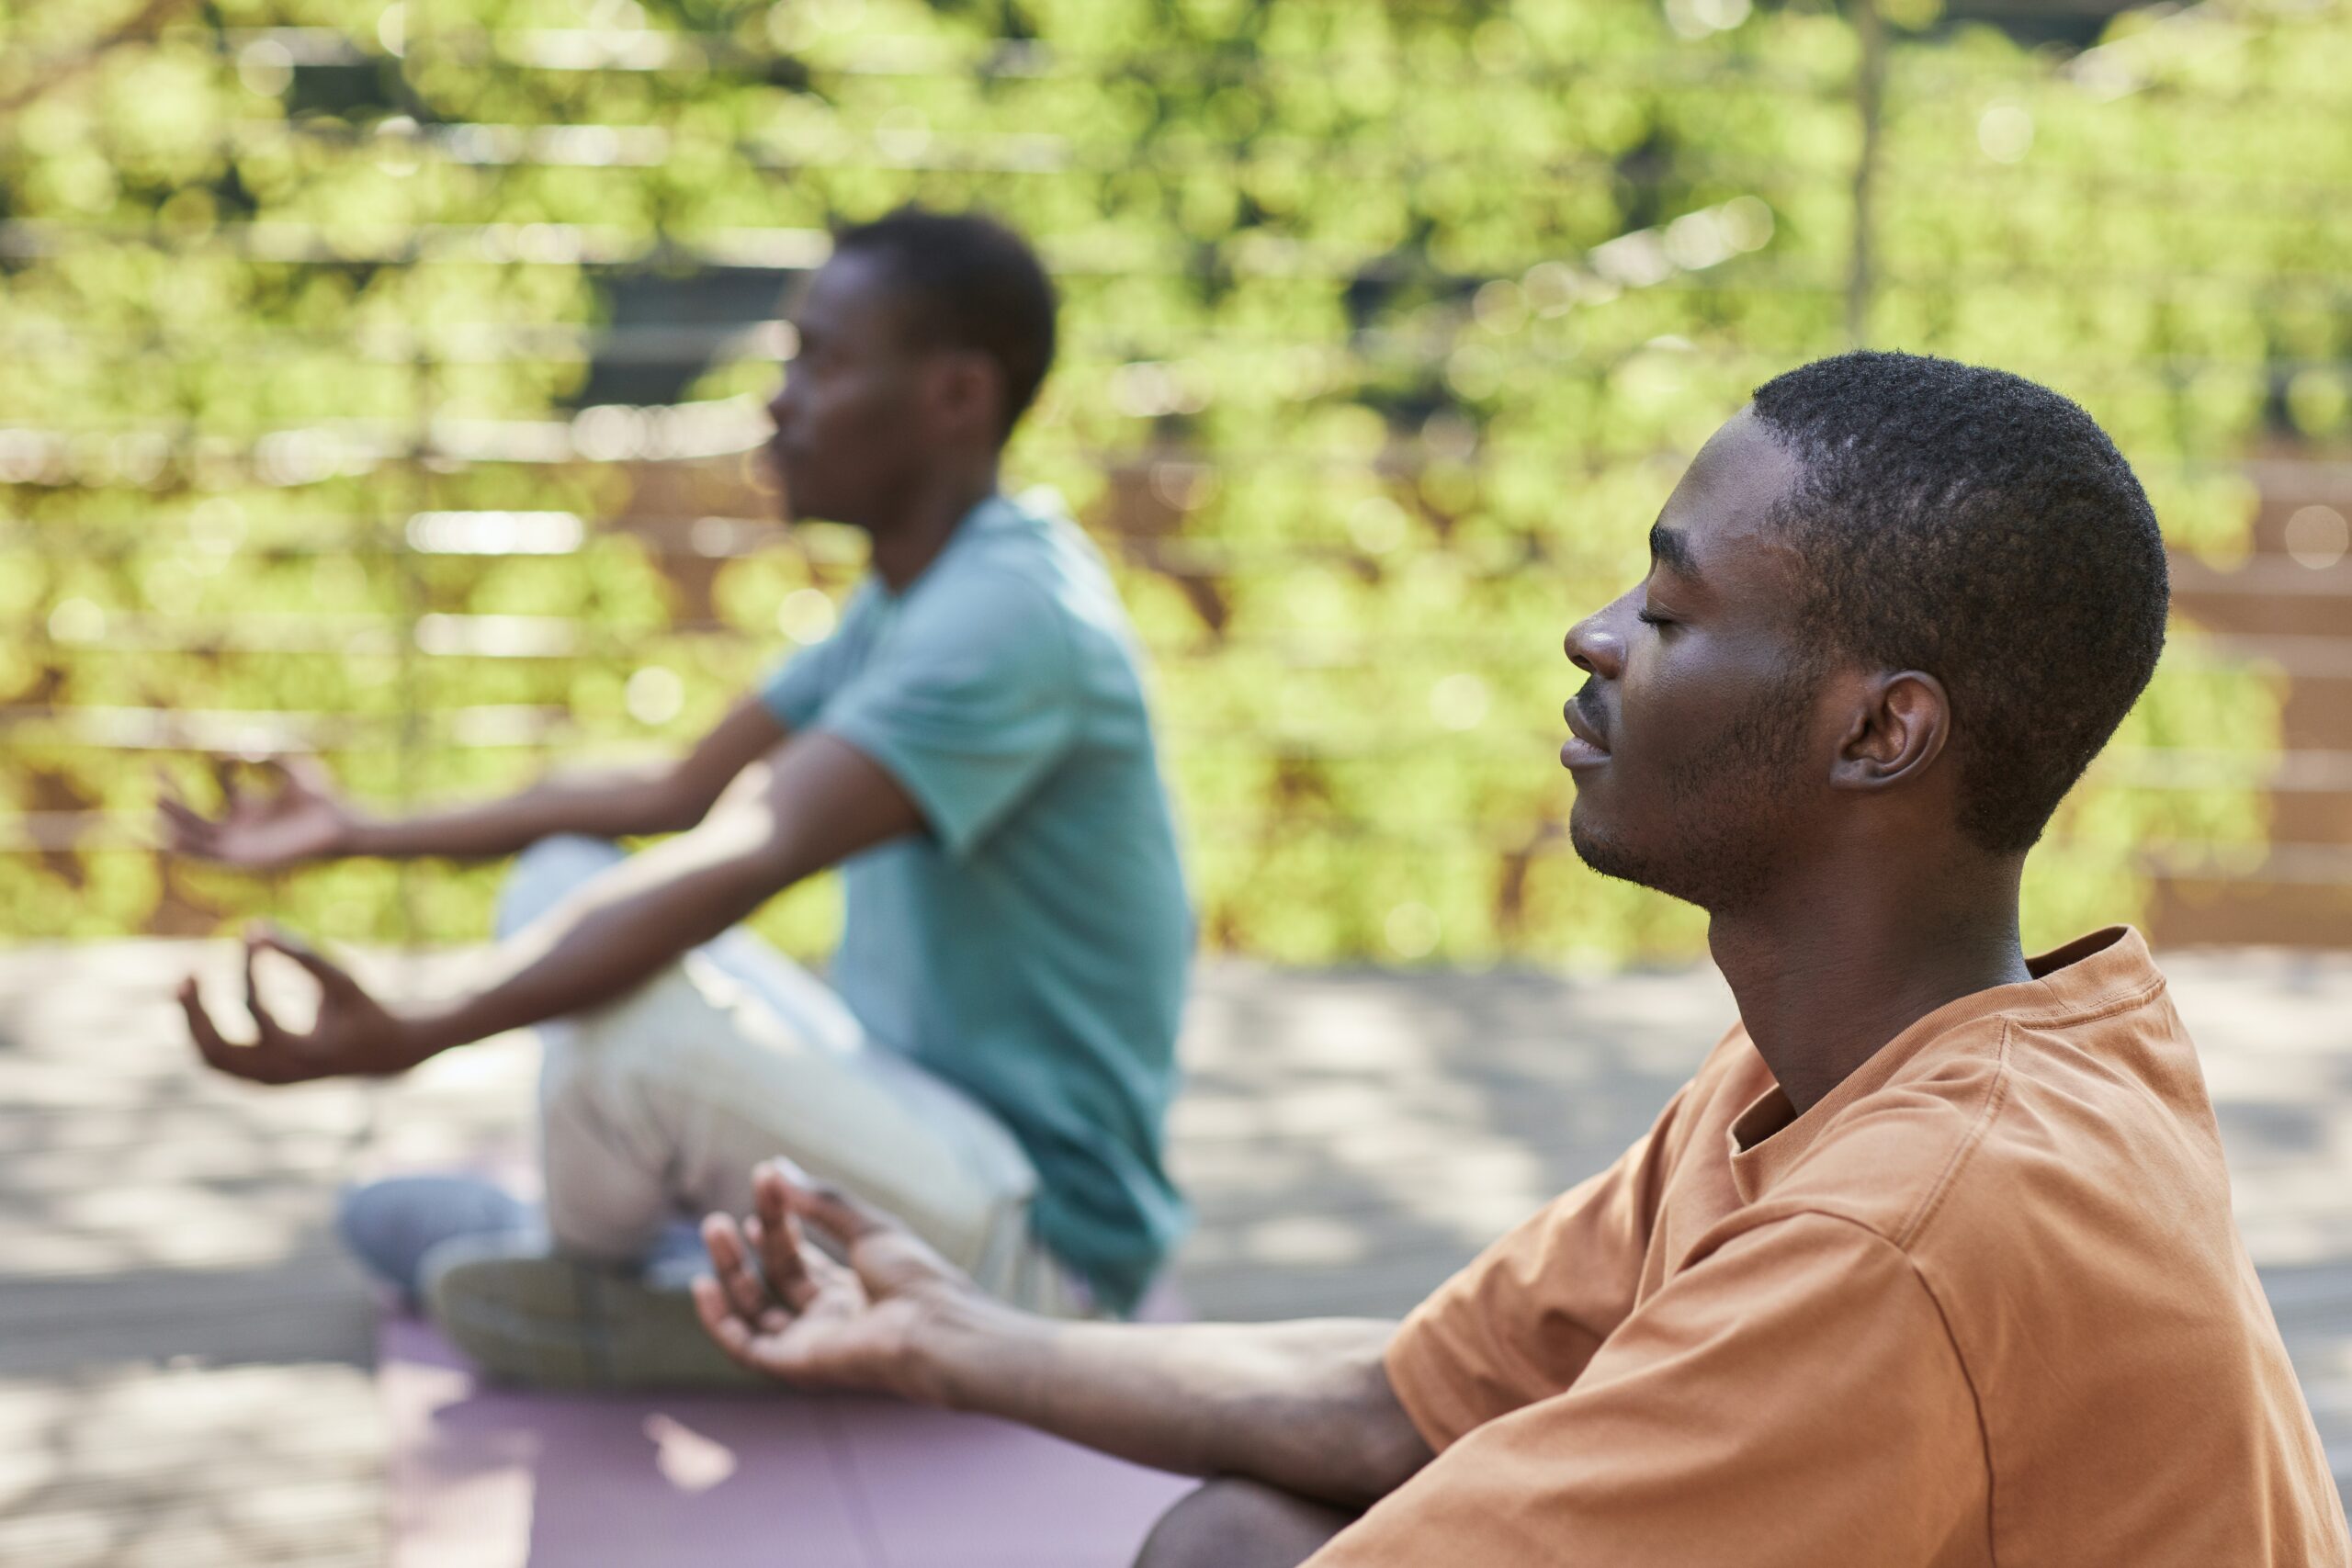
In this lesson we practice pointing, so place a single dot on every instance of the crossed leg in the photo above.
(1232, 1523)
(658, 1105)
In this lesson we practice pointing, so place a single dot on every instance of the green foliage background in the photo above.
(1390, 324)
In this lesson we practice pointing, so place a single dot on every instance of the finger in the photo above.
(846, 1219)
(818, 1269)
(325, 971)
(237, 1061)
(168, 793)
(200, 1028)
(740, 1270)
(730, 1333)
(720, 1240)
(183, 817)
(785, 1262)
(185, 832)
(265, 1025)
(732, 1266)
(172, 802)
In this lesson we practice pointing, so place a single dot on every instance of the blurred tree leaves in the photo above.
(1389, 324)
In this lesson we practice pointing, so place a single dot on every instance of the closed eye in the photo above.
(1649, 619)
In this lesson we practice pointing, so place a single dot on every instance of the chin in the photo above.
(1684, 870)
(1601, 850)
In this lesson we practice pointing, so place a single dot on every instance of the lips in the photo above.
(1583, 728)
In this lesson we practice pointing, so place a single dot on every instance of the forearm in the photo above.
(1305, 1406)
(817, 804)
(610, 937)
(609, 803)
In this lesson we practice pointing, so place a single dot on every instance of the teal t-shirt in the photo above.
(1032, 947)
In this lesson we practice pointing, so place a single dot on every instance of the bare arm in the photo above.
(1304, 1406)
(613, 803)
(302, 818)
(816, 802)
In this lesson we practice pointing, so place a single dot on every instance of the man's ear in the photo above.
(966, 392)
(1899, 728)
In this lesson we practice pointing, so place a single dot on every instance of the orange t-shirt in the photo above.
(1984, 1303)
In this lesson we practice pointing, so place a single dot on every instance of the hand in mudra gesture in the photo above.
(779, 1305)
(354, 1034)
(290, 815)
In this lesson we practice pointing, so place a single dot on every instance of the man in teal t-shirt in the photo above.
(995, 1055)
(1031, 948)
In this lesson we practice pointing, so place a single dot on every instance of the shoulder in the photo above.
(1806, 1277)
(1894, 1161)
(987, 605)
(2015, 1129)
(1049, 553)
(1007, 562)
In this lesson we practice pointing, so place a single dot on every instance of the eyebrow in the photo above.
(1669, 547)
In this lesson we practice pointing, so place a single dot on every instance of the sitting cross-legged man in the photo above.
(1931, 1265)
(994, 1054)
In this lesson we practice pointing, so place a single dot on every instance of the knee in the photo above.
(545, 873)
(1232, 1523)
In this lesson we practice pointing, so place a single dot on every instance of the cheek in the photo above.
(1682, 699)
(1657, 697)
(869, 414)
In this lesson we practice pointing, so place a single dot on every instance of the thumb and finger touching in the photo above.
(263, 1020)
(845, 1218)
(332, 976)
(263, 1061)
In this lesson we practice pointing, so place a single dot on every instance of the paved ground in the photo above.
(183, 1356)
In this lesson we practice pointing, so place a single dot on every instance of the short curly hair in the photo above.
(970, 283)
(1972, 525)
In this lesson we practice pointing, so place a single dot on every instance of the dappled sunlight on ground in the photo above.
(185, 1355)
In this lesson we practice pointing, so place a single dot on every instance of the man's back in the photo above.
(1984, 1303)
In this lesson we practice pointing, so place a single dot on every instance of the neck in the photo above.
(1832, 964)
(918, 526)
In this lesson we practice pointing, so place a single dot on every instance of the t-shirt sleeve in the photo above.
(796, 689)
(970, 700)
(1521, 1322)
(1793, 1401)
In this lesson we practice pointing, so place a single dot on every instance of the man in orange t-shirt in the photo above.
(1931, 1266)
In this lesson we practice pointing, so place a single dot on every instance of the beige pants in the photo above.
(658, 1105)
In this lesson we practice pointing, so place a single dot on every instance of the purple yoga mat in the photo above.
(483, 1477)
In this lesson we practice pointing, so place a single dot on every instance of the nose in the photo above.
(1595, 648)
(781, 403)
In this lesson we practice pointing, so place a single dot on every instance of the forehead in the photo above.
(850, 300)
(1720, 517)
